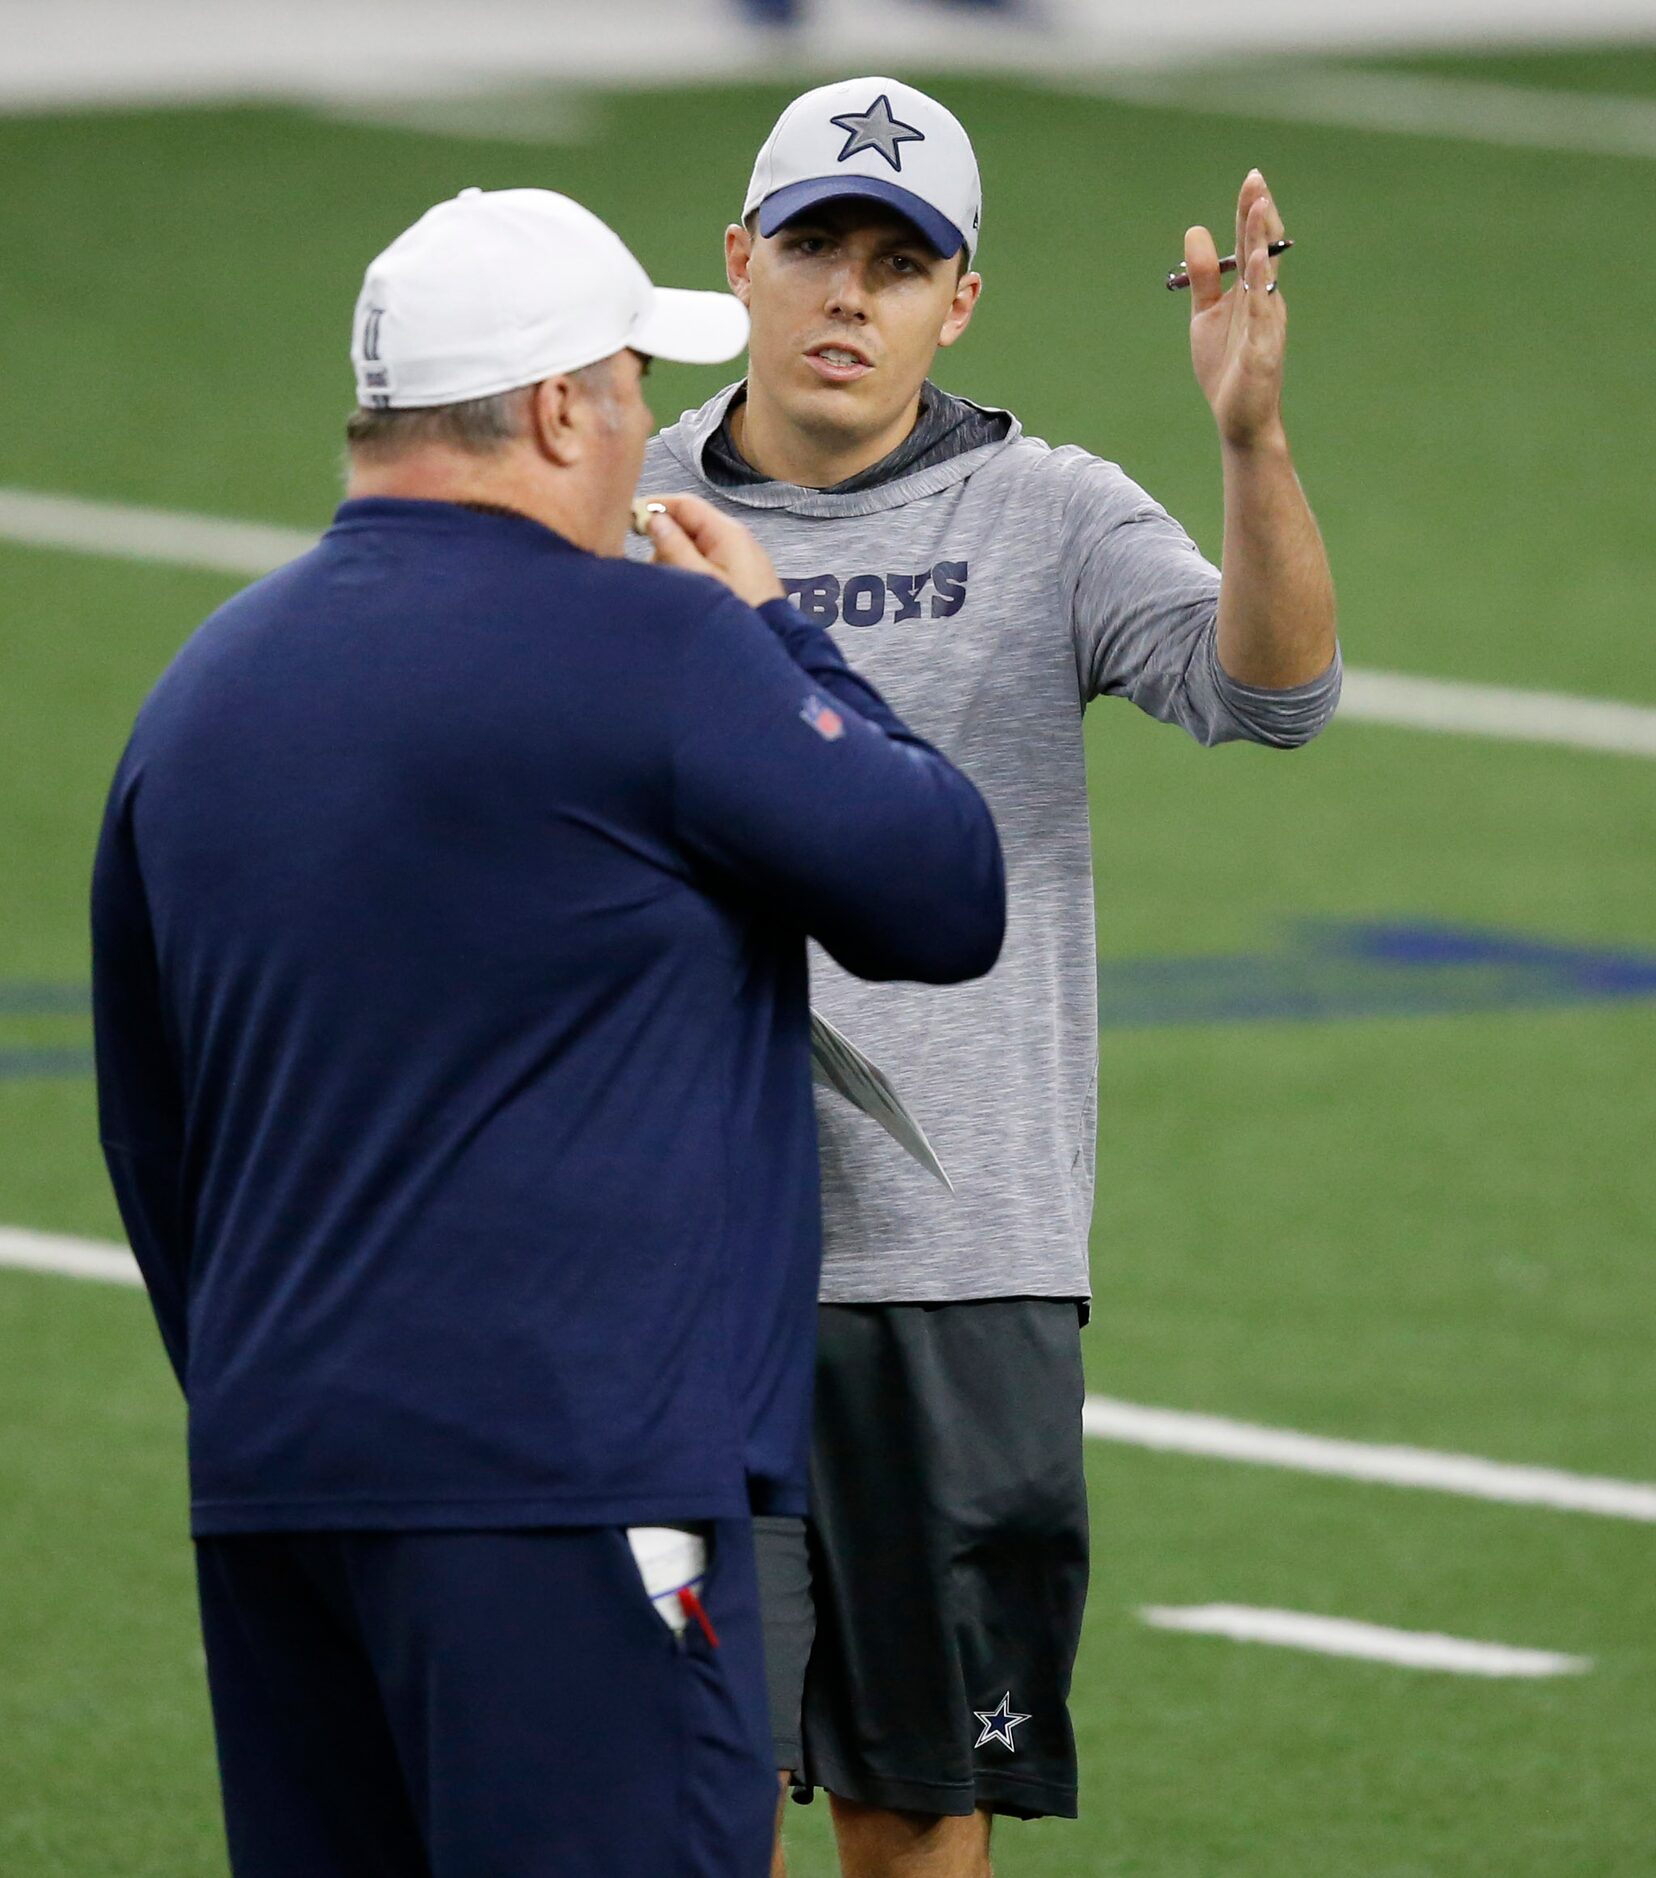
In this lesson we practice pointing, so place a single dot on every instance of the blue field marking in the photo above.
(1325, 971)
(30, 1000)
(1321, 972)
(38, 1061)
(24, 1065)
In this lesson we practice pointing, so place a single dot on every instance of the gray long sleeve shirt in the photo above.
(990, 596)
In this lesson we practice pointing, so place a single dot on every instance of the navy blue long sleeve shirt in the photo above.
(452, 1029)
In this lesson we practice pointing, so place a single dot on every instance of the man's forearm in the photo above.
(1276, 597)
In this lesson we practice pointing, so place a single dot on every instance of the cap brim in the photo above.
(782, 205)
(691, 328)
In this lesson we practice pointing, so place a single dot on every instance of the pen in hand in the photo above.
(1179, 278)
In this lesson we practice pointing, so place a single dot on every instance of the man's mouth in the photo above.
(838, 364)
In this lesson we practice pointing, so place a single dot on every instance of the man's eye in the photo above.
(906, 264)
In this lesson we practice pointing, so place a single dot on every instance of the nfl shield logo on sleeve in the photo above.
(823, 719)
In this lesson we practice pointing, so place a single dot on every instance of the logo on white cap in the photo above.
(877, 139)
(501, 288)
(877, 129)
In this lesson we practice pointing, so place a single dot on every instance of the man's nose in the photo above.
(847, 294)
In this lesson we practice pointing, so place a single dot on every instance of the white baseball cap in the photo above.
(505, 287)
(875, 138)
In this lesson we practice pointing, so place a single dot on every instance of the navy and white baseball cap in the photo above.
(501, 288)
(875, 138)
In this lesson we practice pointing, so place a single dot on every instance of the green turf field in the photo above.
(1425, 1228)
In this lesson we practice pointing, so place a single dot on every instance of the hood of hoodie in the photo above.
(687, 440)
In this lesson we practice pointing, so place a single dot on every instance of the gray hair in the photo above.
(478, 426)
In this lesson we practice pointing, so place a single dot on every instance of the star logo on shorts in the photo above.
(876, 129)
(998, 1724)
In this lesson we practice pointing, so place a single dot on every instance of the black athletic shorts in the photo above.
(945, 1562)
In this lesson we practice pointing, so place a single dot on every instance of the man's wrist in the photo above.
(1268, 443)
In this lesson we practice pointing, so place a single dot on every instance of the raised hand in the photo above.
(1238, 338)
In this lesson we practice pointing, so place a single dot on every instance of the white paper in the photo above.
(837, 1063)
(669, 1561)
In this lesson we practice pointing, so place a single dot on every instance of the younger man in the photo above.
(991, 586)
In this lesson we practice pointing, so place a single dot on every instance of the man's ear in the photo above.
(554, 421)
(738, 261)
(959, 315)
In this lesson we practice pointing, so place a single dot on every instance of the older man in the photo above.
(449, 948)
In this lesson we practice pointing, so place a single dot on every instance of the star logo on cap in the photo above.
(876, 129)
(998, 1724)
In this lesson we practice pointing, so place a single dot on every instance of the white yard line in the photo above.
(1215, 1437)
(1513, 716)
(245, 549)
(1174, 1431)
(1401, 103)
(70, 1258)
(1376, 1643)
(248, 549)
(1526, 117)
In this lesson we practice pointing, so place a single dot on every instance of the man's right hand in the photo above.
(694, 535)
